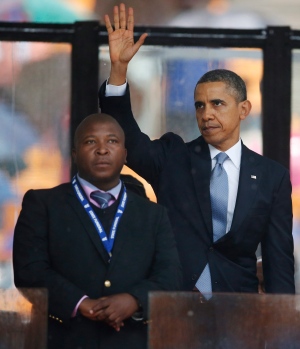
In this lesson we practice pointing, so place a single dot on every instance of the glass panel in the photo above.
(23, 315)
(188, 320)
(162, 82)
(34, 133)
(295, 158)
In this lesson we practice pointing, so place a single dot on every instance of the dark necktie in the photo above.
(101, 198)
(219, 205)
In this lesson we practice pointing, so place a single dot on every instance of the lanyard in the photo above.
(108, 241)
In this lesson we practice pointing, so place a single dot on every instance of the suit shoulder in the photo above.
(144, 203)
(269, 164)
(171, 137)
(50, 191)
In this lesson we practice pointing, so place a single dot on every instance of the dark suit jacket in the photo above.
(57, 247)
(180, 175)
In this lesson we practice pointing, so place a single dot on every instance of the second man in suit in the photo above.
(97, 248)
(258, 207)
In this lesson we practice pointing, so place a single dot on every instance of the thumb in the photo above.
(140, 42)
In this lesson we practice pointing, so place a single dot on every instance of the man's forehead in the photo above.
(214, 85)
(214, 90)
(104, 125)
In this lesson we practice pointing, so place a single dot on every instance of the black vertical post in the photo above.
(276, 95)
(84, 99)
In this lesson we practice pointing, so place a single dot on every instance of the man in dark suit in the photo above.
(97, 282)
(258, 198)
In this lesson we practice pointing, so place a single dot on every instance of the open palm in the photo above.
(121, 42)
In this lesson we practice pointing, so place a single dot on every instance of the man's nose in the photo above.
(207, 114)
(102, 148)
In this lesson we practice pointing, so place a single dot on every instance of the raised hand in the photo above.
(121, 42)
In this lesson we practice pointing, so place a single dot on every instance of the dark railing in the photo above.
(85, 38)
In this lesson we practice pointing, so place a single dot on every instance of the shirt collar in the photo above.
(234, 153)
(89, 187)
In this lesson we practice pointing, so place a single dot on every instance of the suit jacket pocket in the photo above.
(228, 276)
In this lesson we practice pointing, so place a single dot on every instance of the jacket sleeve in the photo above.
(277, 244)
(146, 157)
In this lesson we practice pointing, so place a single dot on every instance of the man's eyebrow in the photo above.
(84, 137)
(216, 100)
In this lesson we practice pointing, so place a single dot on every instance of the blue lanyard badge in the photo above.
(108, 241)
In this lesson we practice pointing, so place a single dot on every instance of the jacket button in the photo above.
(194, 277)
(211, 249)
(107, 283)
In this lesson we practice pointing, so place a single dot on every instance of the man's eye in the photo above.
(198, 105)
(218, 103)
(90, 141)
(112, 141)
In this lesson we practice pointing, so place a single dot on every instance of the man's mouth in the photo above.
(102, 163)
(208, 128)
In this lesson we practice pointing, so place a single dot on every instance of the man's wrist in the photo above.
(138, 315)
(118, 74)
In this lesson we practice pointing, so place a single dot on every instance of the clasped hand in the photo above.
(113, 309)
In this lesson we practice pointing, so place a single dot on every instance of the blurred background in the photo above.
(35, 91)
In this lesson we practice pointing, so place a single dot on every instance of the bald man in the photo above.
(97, 248)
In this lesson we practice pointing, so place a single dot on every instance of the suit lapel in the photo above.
(87, 224)
(250, 176)
(201, 170)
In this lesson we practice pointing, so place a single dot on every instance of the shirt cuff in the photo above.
(116, 91)
(138, 316)
(77, 306)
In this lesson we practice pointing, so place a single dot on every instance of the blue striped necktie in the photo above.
(101, 198)
(219, 205)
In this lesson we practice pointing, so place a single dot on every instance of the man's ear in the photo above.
(245, 108)
(74, 155)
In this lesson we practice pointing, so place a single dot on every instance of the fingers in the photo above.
(122, 16)
(101, 315)
(100, 305)
(111, 318)
(140, 42)
(109, 28)
(116, 18)
(130, 20)
(119, 15)
(118, 326)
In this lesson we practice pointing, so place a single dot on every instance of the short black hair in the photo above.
(97, 117)
(231, 79)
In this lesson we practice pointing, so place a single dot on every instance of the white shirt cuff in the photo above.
(113, 90)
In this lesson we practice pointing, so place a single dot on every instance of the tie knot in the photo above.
(221, 157)
(101, 198)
